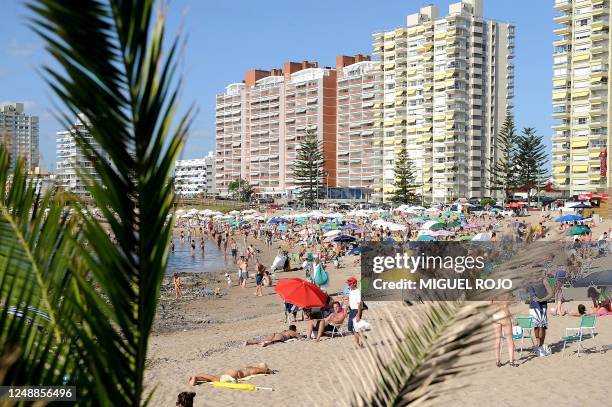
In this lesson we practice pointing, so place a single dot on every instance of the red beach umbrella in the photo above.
(301, 293)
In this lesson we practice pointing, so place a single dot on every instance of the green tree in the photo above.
(308, 170)
(531, 161)
(487, 201)
(85, 311)
(404, 183)
(241, 190)
(503, 175)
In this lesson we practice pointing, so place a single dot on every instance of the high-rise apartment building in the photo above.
(261, 122)
(19, 134)
(447, 85)
(69, 157)
(359, 153)
(195, 177)
(581, 96)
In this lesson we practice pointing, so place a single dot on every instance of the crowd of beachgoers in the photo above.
(265, 246)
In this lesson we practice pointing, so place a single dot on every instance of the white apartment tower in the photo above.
(581, 96)
(195, 177)
(19, 134)
(69, 157)
(448, 83)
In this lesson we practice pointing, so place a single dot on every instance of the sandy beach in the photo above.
(198, 334)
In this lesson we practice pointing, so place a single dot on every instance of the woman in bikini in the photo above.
(236, 374)
(502, 325)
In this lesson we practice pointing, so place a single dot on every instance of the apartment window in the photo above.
(583, 22)
(581, 120)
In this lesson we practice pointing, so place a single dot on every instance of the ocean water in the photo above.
(182, 260)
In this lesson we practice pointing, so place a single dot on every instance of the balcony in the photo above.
(563, 4)
(563, 18)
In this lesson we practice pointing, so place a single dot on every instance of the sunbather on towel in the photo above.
(262, 368)
(335, 318)
(291, 333)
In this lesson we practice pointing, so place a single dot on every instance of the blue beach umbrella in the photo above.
(569, 218)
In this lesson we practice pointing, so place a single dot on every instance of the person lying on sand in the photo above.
(262, 368)
(291, 333)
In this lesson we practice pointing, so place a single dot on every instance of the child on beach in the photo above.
(178, 286)
(229, 279)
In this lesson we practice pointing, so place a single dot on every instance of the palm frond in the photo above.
(35, 281)
(417, 349)
(116, 73)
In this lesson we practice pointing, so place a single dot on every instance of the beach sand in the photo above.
(205, 335)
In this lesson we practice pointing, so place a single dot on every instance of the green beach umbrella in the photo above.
(437, 226)
(579, 230)
(453, 224)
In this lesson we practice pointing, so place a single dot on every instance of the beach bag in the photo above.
(320, 276)
(360, 326)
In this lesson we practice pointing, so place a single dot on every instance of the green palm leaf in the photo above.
(35, 281)
(114, 73)
(417, 351)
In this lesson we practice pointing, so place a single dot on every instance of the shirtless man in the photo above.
(336, 318)
(275, 337)
(236, 374)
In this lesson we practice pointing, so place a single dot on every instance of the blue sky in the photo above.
(226, 38)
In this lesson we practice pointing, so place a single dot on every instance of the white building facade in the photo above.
(69, 157)
(195, 177)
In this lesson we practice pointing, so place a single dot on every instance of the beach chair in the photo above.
(526, 325)
(586, 330)
(338, 329)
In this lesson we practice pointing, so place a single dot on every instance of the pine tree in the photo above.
(404, 179)
(241, 190)
(308, 170)
(531, 160)
(503, 170)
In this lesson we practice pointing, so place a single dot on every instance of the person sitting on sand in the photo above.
(291, 333)
(235, 374)
(185, 399)
(321, 325)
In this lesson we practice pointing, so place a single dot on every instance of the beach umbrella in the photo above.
(332, 233)
(453, 224)
(569, 218)
(579, 230)
(301, 293)
(425, 238)
(581, 206)
(483, 237)
(351, 226)
(278, 220)
(389, 240)
(514, 205)
(437, 226)
(343, 238)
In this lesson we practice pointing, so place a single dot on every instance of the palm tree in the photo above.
(74, 307)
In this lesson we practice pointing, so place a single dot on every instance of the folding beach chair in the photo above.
(338, 329)
(525, 332)
(586, 330)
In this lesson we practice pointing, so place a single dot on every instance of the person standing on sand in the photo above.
(178, 286)
(540, 294)
(355, 308)
(502, 326)
(259, 276)
(243, 271)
